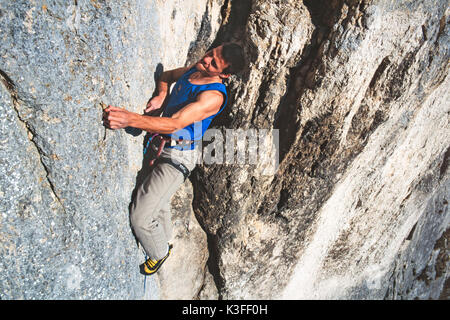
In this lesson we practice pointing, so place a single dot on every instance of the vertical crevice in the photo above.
(11, 88)
(198, 47)
(444, 166)
(213, 263)
(323, 17)
(235, 14)
(234, 20)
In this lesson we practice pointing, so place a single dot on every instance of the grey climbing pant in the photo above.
(150, 210)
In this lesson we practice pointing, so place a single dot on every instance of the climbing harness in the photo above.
(155, 146)
(177, 165)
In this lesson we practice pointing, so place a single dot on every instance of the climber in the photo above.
(196, 98)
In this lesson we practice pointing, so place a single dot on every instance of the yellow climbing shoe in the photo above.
(151, 266)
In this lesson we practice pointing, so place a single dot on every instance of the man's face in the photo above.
(212, 63)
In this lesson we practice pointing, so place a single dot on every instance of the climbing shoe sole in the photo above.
(151, 266)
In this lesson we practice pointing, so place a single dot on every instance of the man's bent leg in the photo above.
(149, 210)
(166, 216)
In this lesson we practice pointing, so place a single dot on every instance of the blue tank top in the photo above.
(184, 93)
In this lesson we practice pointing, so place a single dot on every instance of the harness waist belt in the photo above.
(176, 164)
(170, 142)
(180, 143)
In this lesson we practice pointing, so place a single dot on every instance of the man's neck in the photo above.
(199, 77)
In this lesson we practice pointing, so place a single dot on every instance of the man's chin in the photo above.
(199, 66)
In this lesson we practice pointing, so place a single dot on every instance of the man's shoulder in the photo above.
(213, 97)
(178, 73)
(211, 93)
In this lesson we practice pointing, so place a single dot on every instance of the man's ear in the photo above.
(224, 75)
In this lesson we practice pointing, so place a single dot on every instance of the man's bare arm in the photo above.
(163, 85)
(207, 104)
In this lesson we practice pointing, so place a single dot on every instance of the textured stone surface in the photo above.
(362, 108)
(183, 275)
(66, 182)
(358, 208)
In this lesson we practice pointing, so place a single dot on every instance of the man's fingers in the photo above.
(151, 108)
(109, 119)
(111, 124)
(113, 121)
(111, 108)
(114, 117)
(113, 114)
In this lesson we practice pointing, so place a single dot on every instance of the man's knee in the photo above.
(144, 216)
(139, 215)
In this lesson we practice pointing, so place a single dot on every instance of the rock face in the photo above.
(356, 90)
(66, 182)
(359, 205)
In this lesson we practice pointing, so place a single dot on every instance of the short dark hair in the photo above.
(233, 54)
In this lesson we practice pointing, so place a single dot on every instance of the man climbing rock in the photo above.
(197, 97)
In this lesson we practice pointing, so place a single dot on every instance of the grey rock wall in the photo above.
(66, 182)
(358, 208)
(358, 90)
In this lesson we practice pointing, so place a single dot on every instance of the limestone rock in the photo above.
(182, 275)
(66, 182)
(363, 117)
(357, 91)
